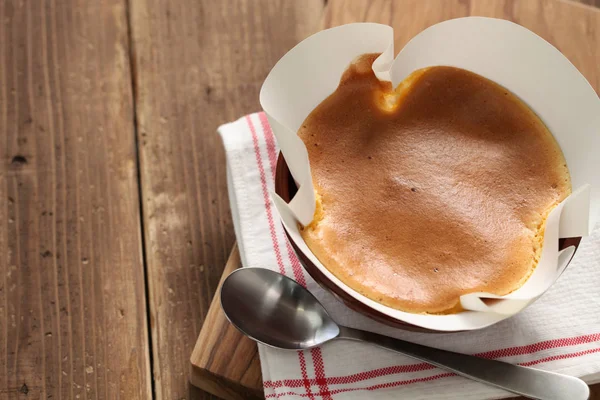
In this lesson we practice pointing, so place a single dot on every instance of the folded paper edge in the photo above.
(293, 149)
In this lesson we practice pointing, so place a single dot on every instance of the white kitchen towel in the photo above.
(560, 332)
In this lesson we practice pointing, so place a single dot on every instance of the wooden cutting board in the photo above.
(224, 362)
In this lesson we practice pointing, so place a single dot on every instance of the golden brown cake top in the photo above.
(433, 191)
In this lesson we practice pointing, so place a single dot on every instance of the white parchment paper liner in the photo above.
(500, 50)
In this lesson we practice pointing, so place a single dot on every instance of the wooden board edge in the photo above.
(233, 262)
(204, 374)
(221, 386)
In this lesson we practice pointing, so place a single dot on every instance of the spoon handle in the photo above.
(529, 382)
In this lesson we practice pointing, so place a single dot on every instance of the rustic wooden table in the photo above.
(114, 218)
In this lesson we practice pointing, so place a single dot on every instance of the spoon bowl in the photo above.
(275, 310)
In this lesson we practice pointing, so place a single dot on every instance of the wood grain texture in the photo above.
(224, 362)
(198, 64)
(573, 28)
(72, 297)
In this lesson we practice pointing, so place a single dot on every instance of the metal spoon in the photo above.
(275, 310)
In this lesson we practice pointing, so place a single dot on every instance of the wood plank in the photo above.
(72, 297)
(221, 350)
(198, 64)
(224, 362)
